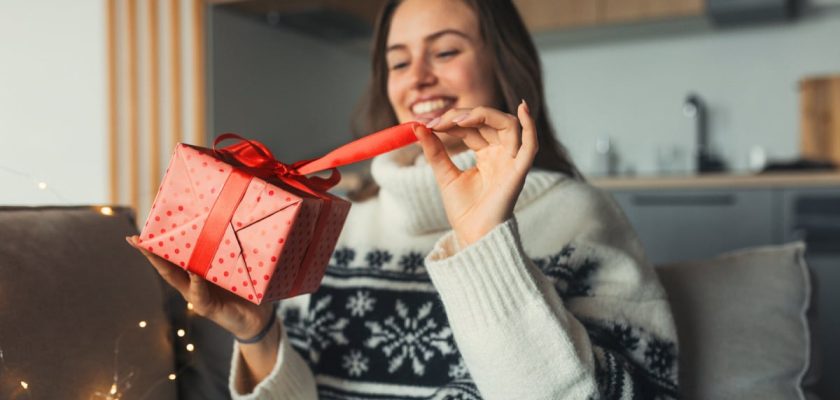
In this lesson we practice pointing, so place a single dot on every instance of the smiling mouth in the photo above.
(432, 108)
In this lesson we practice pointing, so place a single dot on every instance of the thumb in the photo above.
(435, 152)
(199, 293)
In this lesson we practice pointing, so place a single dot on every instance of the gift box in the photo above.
(249, 223)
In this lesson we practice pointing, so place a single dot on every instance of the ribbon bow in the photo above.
(256, 159)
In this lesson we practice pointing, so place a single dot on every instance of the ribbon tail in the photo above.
(365, 148)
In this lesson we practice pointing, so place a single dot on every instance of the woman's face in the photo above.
(436, 61)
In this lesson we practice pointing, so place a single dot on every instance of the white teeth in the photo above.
(429, 106)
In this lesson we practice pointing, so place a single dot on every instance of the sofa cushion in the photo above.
(70, 289)
(742, 323)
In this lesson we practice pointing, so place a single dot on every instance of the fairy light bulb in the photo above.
(24, 385)
(171, 377)
(189, 306)
(42, 185)
(106, 211)
(181, 333)
(190, 347)
(113, 388)
(142, 324)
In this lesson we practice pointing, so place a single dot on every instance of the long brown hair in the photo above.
(516, 66)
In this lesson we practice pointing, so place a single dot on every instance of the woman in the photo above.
(470, 274)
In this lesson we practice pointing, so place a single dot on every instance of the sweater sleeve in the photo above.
(588, 322)
(290, 378)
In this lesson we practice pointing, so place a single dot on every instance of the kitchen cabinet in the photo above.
(675, 8)
(542, 15)
(546, 15)
(699, 223)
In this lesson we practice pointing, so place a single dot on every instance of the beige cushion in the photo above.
(742, 323)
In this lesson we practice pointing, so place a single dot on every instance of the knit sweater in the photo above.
(558, 302)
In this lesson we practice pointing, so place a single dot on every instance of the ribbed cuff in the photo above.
(290, 378)
(485, 282)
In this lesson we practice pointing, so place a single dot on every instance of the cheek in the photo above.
(472, 83)
(396, 95)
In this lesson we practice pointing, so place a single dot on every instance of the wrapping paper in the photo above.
(250, 224)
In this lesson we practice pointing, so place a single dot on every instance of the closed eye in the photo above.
(400, 65)
(447, 54)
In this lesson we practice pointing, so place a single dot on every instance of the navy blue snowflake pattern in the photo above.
(625, 337)
(412, 262)
(378, 258)
(344, 256)
(573, 280)
(660, 356)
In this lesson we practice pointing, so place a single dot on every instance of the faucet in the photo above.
(695, 107)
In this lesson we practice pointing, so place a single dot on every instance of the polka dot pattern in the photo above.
(260, 254)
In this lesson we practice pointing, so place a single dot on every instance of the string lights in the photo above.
(120, 383)
(40, 184)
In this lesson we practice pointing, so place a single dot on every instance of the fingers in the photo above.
(199, 292)
(493, 126)
(169, 272)
(448, 124)
(442, 166)
(530, 142)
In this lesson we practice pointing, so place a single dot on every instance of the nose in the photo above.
(422, 75)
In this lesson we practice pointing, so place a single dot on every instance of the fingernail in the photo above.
(527, 109)
(423, 120)
(460, 118)
(433, 123)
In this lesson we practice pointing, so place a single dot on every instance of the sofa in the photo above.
(83, 315)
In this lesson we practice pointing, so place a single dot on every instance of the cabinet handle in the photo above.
(684, 200)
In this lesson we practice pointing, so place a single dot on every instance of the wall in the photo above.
(52, 102)
(628, 83)
(633, 89)
(293, 92)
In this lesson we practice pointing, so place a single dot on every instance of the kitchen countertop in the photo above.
(722, 180)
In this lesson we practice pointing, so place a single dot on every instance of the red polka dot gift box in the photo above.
(253, 225)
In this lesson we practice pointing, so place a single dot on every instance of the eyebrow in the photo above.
(431, 38)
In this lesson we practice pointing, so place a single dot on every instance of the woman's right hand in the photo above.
(238, 316)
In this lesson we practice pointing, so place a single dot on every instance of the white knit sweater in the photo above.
(557, 303)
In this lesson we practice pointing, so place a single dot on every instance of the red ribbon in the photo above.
(256, 159)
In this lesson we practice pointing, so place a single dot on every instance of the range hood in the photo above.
(737, 12)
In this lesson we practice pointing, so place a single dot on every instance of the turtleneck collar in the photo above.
(409, 193)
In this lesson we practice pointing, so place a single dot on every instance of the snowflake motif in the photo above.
(355, 363)
(378, 258)
(344, 256)
(417, 339)
(323, 329)
(291, 315)
(567, 251)
(625, 337)
(458, 370)
(293, 323)
(412, 262)
(575, 280)
(360, 303)
(660, 356)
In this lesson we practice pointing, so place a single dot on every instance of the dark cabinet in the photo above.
(692, 224)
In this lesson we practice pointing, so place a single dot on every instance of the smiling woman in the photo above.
(465, 54)
(484, 268)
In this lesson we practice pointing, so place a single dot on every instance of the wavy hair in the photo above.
(516, 68)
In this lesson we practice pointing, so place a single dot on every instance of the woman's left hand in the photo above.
(480, 198)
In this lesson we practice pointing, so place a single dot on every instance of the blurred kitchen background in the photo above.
(714, 123)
